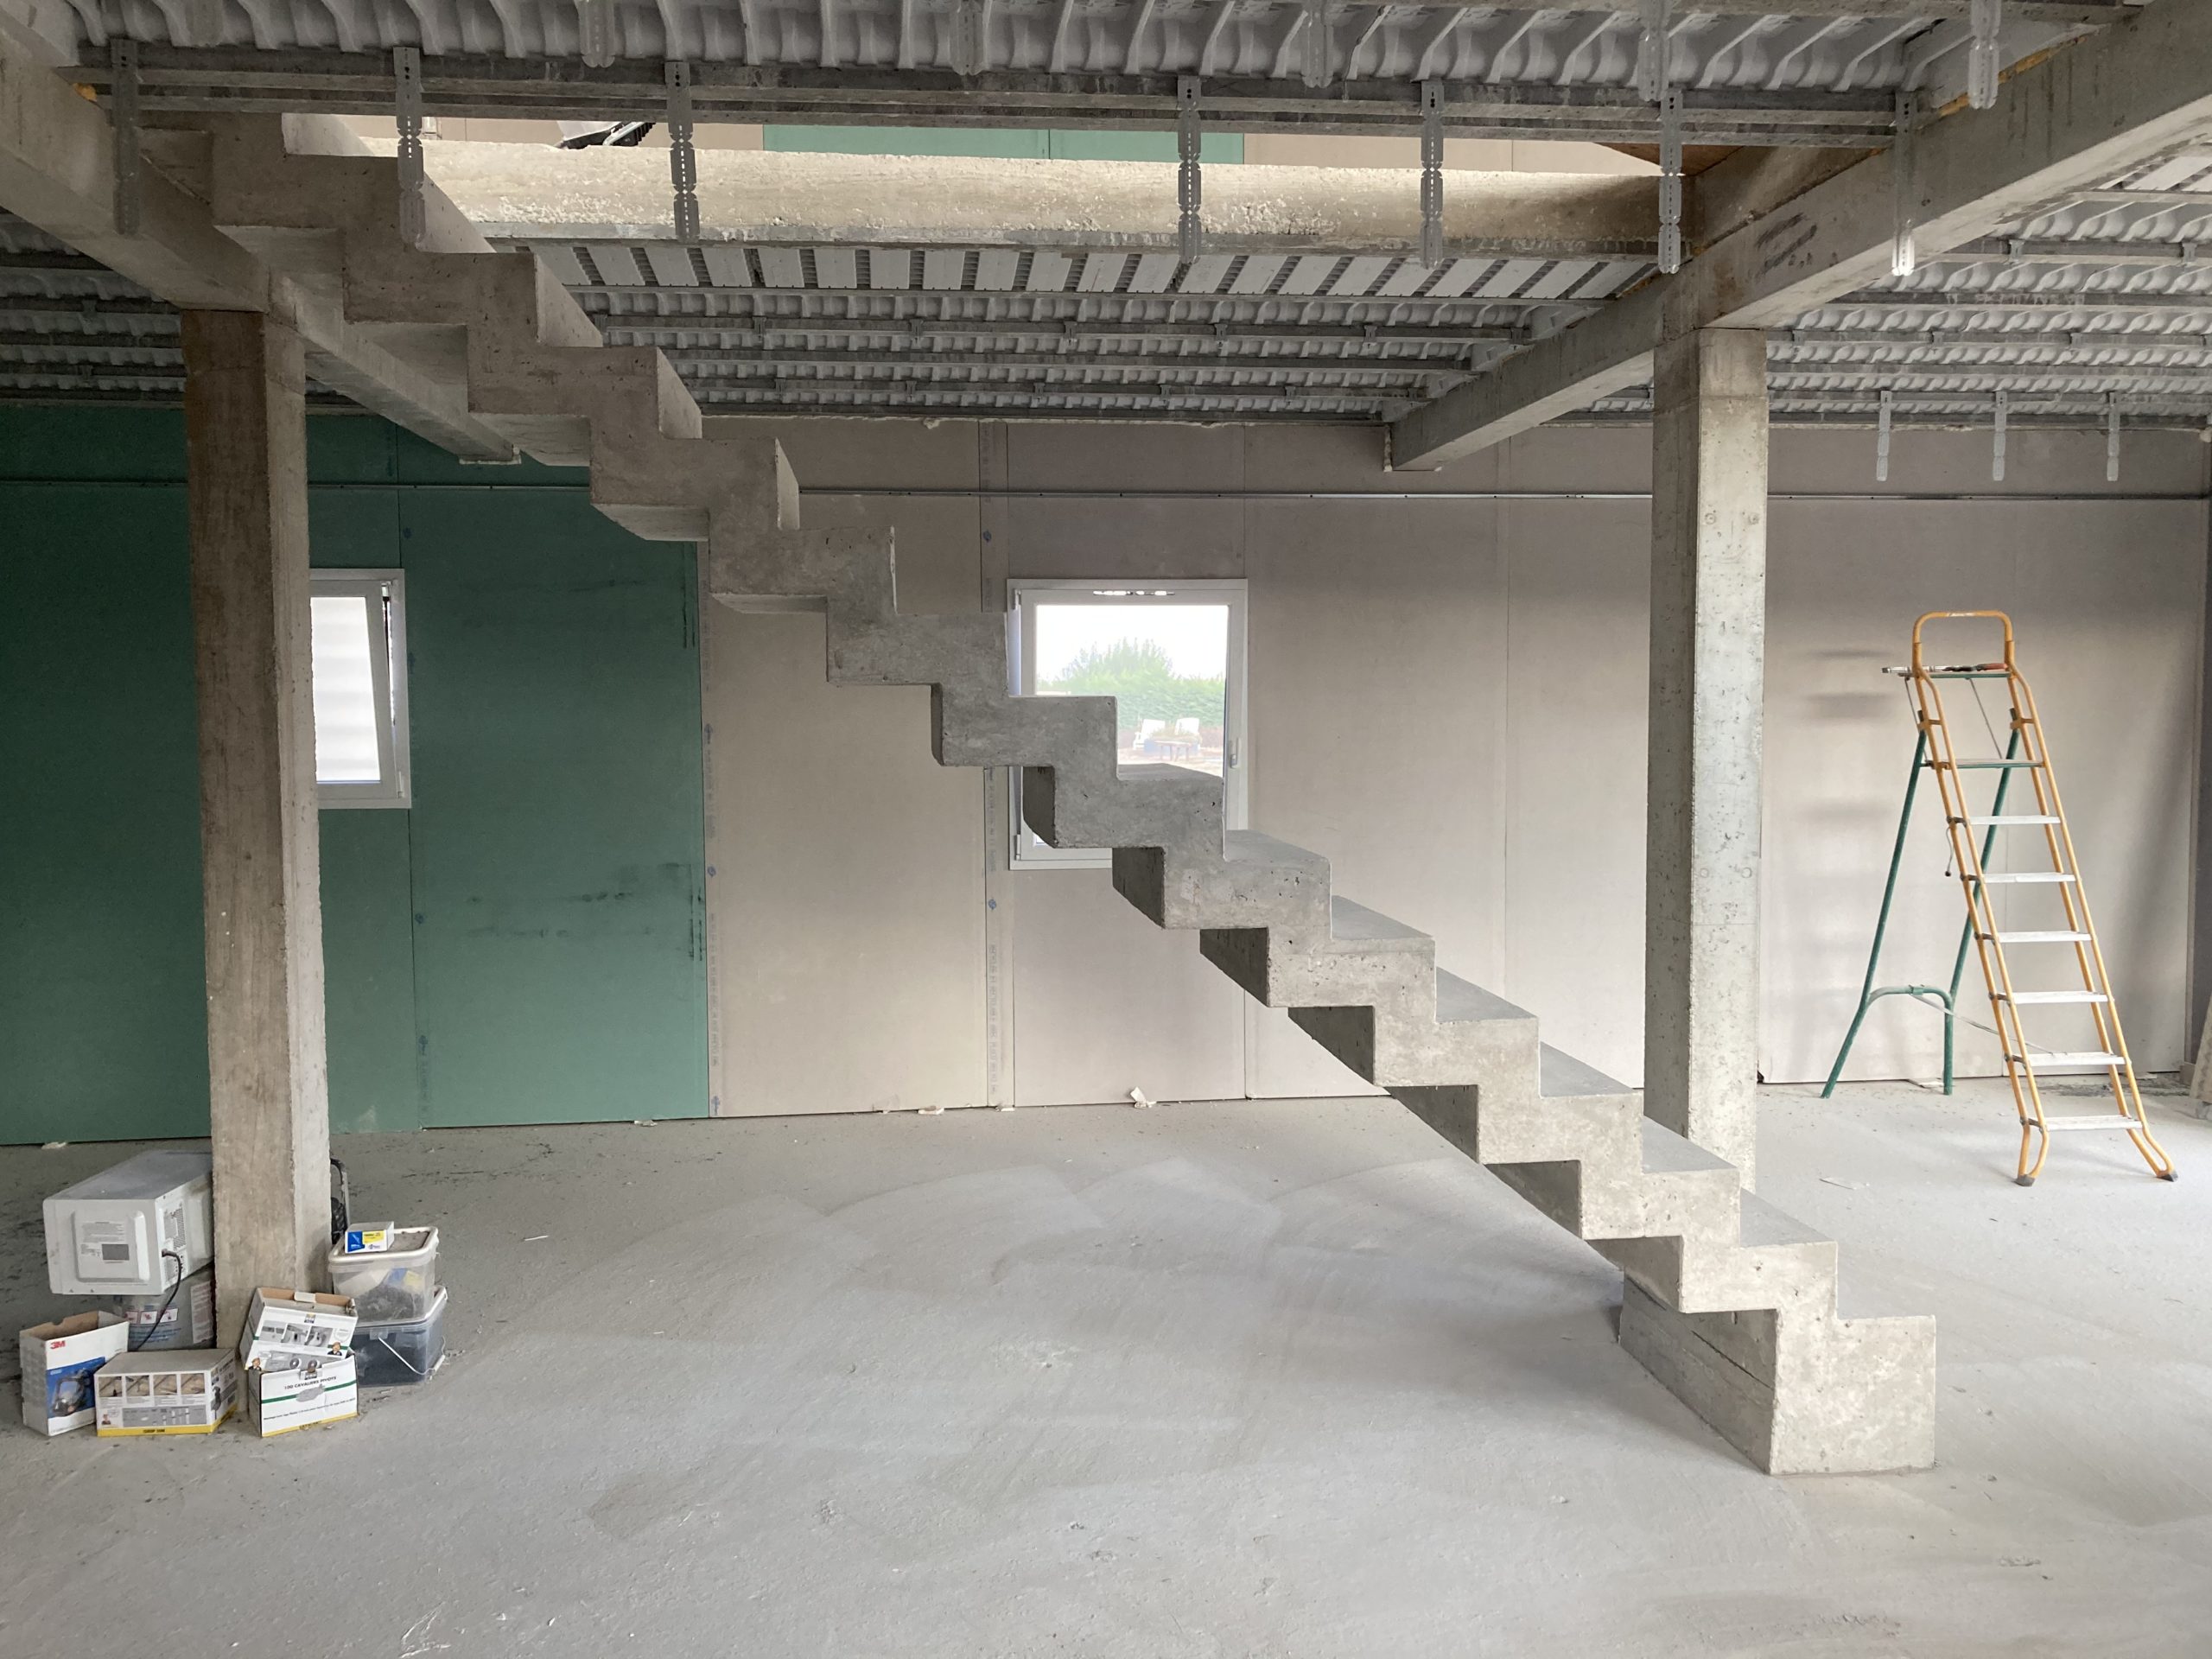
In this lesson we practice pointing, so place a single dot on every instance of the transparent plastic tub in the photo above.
(396, 1356)
(391, 1286)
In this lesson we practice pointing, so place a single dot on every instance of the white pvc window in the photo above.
(1172, 656)
(359, 631)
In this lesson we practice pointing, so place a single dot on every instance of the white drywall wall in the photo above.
(1447, 699)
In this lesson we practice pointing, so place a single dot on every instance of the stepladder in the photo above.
(2028, 920)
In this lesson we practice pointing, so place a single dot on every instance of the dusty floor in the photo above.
(1244, 1379)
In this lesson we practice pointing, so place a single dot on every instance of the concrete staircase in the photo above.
(1728, 1302)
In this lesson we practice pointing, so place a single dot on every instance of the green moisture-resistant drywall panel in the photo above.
(102, 1030)
(1025, 143)
(557, 851)
(368, 959)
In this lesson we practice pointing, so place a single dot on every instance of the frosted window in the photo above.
(359, 632)
(345, 718)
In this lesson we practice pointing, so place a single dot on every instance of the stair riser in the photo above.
(1797, 1394)
(1394, 1048)
(1196, 888)
(1275, 966)
(1070, 809)
(993, 729)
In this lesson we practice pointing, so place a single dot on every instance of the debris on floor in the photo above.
(139, 1236)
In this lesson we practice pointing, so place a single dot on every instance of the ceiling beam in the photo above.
(244, 80)
(2084, 115)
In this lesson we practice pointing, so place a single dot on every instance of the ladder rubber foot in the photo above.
(2169, 1175)
(2024, 1180)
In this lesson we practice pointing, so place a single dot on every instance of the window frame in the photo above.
(385, 590)
(1021, 646)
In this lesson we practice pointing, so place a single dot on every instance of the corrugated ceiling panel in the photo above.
(617, 262)
(781, 267)
(727, 264)
(997, 268)
(670, 264)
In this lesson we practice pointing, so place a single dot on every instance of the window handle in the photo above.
(1229, 751)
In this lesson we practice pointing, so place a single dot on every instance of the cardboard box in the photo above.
(189, 1321)
(284, 1328)
(369, 1240)
(59, 1363)
(318, 1390)
(184, 1391)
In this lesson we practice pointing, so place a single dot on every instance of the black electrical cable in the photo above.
(167, 1302)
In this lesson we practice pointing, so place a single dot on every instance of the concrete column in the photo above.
(246, 442)
(1708, 651)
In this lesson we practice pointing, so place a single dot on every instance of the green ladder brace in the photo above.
(1870, 993)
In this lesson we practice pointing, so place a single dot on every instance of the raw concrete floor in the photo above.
(1246, 1379)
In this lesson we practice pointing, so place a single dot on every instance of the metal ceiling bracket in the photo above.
(407, 114)
(2112, 437)
(1905, 249)
(123, 113)
(1997, 451)
(1317, 42)
(595, 33)
(683, 154)
(1432, 173)
(969, 22)
(1652, 48)
(1670, 179)
(1187, 182)
(1985, 20)
(1882, 436)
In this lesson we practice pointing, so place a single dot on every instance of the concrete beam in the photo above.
(245, 446)
(2090, 110)
(1708, 656)
(531, 192)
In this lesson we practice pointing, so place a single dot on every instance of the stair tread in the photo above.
(1356, 923)
(1241, 844)
(1458, 1001)
(1558, 1073)
(1764, 1225)
(1666, 1153)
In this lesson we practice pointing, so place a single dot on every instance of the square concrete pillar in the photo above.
(245, 444)
(1708, 656)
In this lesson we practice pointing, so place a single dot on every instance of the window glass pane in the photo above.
(346, 714)
(1166, 666)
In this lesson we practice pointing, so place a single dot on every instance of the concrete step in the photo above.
(1360, 955)
(1245, 881)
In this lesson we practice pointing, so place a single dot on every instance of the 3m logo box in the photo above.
(184, 1391)
(60, 1361)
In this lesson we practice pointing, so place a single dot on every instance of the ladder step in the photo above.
(2007, 820)
(2028, 876)
(1984, 766)
(2023, 998)
(2045, 1062)
(2115, 1122)
(2056, 936)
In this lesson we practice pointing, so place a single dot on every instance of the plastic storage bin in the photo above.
(393, 1356)
(391, 1287)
